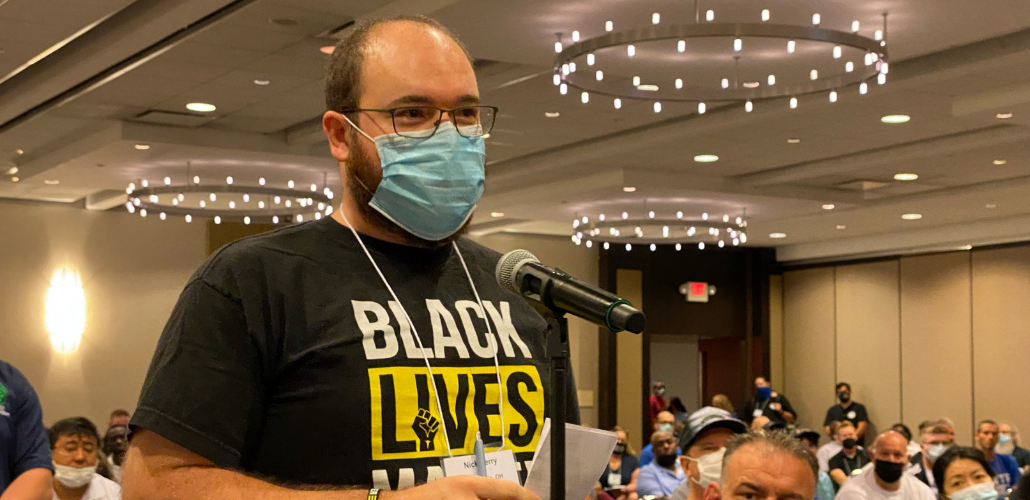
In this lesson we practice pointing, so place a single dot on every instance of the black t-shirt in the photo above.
(848, 465)
(764, 407)
(854, 413)
(286, 357)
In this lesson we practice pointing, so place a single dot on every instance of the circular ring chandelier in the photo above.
(650, 229)
(732, 88)
(229, 201)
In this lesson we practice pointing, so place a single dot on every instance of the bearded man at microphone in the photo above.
(343, 358)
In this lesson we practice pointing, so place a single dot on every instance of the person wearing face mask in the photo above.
(345, 356)
(657, 402)
(824, 489)
(1008, 444)
(885, 478)
(829, 449)
(935, 438)
(765, 465)
(964, 474)
(1006, 471)
(664, 421)
(703, 442)
(619, 480)
(847, 410)
(74, 443)
(661, 477)
(769, 404)
(116, 443)
(851, 458)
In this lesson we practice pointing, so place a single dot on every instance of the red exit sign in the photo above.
(697, 291)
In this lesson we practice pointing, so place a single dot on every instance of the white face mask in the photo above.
(979, 491)
(709, 467)
(74, 477)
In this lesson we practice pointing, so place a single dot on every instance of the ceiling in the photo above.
(82, 76)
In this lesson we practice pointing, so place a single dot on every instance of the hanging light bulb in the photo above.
(143, 212)
(863, 88)
(881, 79)
(599, 75)
(572, 67)
(837, 51)
(878, 35)
(681, 46)
(228, 180)
(631, 50)
(791, 45)
(246, 198)
(655, 18)
(575, 36)
(617, 103)
(606, 245)
(849, 67)
(629, 247)
(814, 74)
(657, 107)
(261, 181)
(736, 241)
(189, 218)
(203, 204)
(584, 97)
(722, 243)
(679, 83)
(701, 246)
(854, 26)
(816, 19)
(704, 216)
(565, 69)
(833, 96)
(743, 237)
(261, 204)
(168, 181)
(701, 108)
(246, 220)
(275, 219)
(793, 103)
(772, 80)
(557, 47)
(181, 197)
(218, 220)
(161, 216)
(636, 81)
(710, 16)
(765, 15)
(738, 44)
(725, 83)
(665, 231)
(563, 89)
(290, 184)
(608, 26)
(590, 59)
(748, 106)
(213, 197)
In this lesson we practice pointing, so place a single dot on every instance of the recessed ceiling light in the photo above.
(777, 235)
(751, 85)
(648, 87)
(261, 82)
(19, 151)
(51, 182)
(1004, 116)
(895, 119)
(828, 206)
(905, 177)
(15, 179)
(841, 226)
(143, 147)
(991, 205)
(706, 158)
(552, 114)
(201, 107)
(327, 50)
(793, 140)
(12, 170)
(629, 189)
(1000, 162)
(496, 214)
(912, 216)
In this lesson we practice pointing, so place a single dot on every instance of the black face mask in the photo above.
(889, 472)
(849, 443)
(620, 448)
(665, 460)
(844, 397)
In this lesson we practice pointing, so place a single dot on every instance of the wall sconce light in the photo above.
(65, 314)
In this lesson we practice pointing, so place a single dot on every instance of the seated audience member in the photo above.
(74, 443)
(848, 411)
(703, 442)
(116, 444)
(936, 438)
(660, 477)
(913, 447)
(679, 410)
(619, 479)
(851, 458)
(765, 465)
(723, 401)
(119, 417)
(828, 450)
(664, 421)
(1006, 472)
(1023, 488)
(964, 474)
(1008, 444)
(26, 469)
(886, 479)
(657, 402)
(823, 485)
(768, 403)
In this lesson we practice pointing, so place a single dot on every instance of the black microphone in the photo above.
(520, 273)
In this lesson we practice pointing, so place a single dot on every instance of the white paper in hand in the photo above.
(587, 452)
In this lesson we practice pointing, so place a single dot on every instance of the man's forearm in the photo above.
(860, 429)
(212, 483)
(34, 484)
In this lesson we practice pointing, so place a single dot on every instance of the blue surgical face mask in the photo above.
(935, 452)
(667, 427)
(430, 186)
(979, 491)
(764, 393)
(1004, 439)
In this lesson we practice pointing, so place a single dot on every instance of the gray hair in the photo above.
(343, 72)
(777, 440)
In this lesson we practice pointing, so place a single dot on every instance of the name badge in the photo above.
(757, 413)
(851, 415)
(499, 465)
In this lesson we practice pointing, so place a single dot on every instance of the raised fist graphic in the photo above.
(425, 426)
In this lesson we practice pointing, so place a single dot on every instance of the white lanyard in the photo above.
(436, 392)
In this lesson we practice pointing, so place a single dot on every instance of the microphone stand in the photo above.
(558, 352)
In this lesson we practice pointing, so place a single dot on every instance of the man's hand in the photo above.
(464, 488)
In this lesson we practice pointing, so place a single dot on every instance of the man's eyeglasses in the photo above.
(422, 122)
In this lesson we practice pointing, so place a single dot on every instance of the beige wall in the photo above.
(629, 361)
(132, 271)
(776, 332)
(582, 263)
(917, 337)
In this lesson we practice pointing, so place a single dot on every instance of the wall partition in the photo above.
(917, 337)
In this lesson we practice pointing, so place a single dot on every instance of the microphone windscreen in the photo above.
(508, 266)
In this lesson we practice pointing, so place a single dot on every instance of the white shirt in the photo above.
(101, 488)
(116, 470)
(864, 487)
(825, 453)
